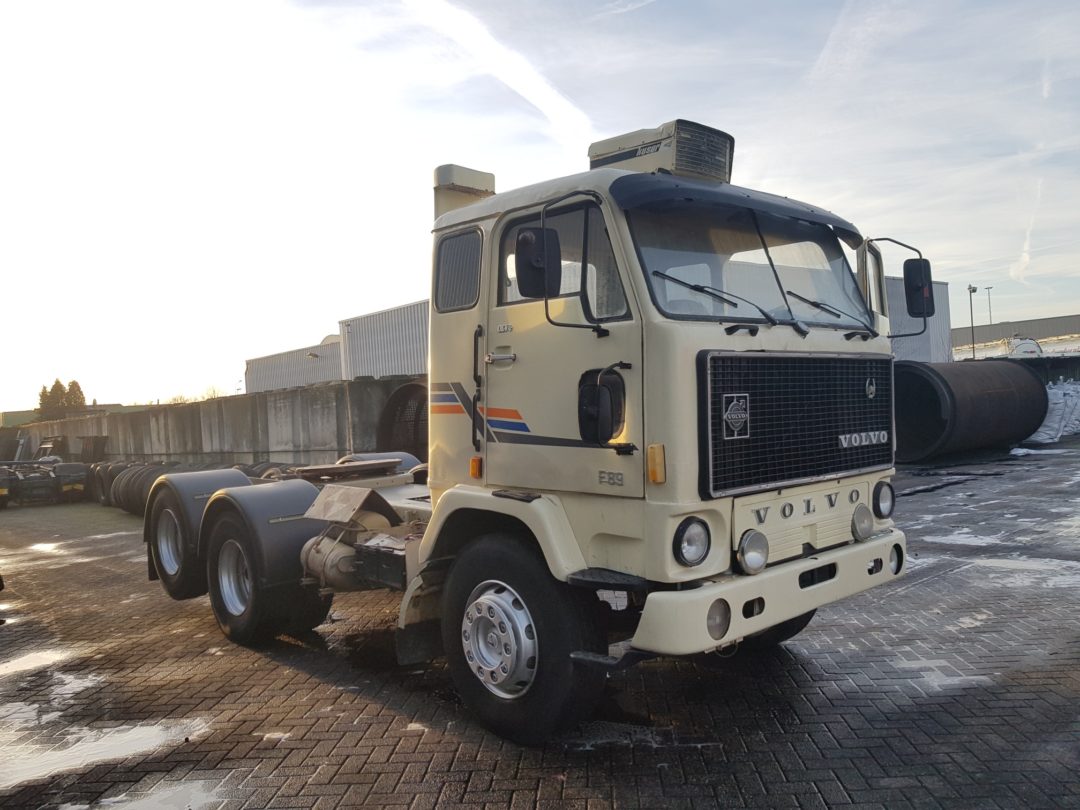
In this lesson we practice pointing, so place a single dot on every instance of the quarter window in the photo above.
(457, 271)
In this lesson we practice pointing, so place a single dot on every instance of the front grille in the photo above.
(770, 419)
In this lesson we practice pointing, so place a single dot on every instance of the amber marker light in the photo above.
(657, 463)
(476, 467)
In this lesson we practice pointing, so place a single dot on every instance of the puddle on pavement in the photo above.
(32, 661)
(183, 796)
(83, 747)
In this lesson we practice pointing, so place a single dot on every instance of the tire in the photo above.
(245, 613)
(181, 572)
(534, 616)
(768, 639)
(308, 610)
(102, 479)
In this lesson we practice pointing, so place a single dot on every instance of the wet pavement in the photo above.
(956, 686)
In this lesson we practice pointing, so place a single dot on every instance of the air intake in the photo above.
(677, 147)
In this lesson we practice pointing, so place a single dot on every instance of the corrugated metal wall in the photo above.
(394, 341)
(312, 364)
(1037, 328)
(934, 345)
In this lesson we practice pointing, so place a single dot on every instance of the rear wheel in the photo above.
(508, 630)
(245, 613)
(175, 561)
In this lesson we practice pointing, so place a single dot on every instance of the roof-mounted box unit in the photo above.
(677, 147)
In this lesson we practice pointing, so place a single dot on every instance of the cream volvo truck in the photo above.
(660, 424)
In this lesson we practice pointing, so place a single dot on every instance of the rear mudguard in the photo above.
(274, 517)
(192, 491)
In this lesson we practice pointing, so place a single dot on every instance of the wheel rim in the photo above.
(234, 578)
(168, 542)
(499, 639)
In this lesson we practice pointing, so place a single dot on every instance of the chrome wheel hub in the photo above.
(499, 639)
(234, 578)
(169, 547)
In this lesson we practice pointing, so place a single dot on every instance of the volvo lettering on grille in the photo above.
(864, 439)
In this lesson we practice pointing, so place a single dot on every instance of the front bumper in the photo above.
(674, 622)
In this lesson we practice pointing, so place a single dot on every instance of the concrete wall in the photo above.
(316, 424)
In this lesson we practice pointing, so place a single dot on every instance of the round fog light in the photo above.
(692, 541)
(884, 499)
(719, 619)
(753, 552)
(862, 522)
(896, 559)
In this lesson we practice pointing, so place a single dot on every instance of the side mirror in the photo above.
(918, 288)
(538, 263)
(601, 406)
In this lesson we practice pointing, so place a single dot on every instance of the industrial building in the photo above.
(389, 343)
(1059, 334)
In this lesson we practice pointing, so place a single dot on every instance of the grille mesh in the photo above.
(702, 152)
(796, 410)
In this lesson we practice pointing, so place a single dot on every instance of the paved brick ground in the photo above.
(958, 686)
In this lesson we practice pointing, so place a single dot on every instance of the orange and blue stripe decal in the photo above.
(499, 424)
(505, 419)
(445, 403)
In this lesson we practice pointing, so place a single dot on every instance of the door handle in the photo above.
(490, 358)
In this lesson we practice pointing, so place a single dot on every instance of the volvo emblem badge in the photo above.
(736, 416)
(871, 388)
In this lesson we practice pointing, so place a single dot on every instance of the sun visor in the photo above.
(658, 191)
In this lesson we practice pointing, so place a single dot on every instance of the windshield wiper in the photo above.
(719, 295)
(839, 313)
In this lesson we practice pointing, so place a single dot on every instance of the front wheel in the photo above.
(246, 613)
(508, 630)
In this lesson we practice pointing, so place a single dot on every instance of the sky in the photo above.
(185, 185)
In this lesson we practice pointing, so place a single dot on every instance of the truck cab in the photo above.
(683, 388)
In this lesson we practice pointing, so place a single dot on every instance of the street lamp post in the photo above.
(972, 289)
(989, 309)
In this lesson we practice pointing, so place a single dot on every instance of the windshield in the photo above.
(723, 249)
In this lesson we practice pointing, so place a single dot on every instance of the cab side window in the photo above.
(457, 271)
(588, 262)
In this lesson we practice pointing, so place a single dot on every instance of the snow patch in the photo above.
(32, 661)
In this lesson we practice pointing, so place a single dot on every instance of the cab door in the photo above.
(540, 365)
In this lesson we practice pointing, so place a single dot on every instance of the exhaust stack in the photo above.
(456, 187)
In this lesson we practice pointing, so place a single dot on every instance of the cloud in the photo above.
(569, 125)
(621, 7)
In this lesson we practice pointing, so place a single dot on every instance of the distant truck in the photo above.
(661, 423)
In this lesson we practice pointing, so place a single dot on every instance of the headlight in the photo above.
(862, 522)
(753, 552)
(884, 499)
(692, 542)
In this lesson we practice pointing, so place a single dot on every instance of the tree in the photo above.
(75, 400)
(56, 402)
(52, 401)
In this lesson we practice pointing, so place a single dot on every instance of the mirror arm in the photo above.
(917, 253)
(599, 200)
